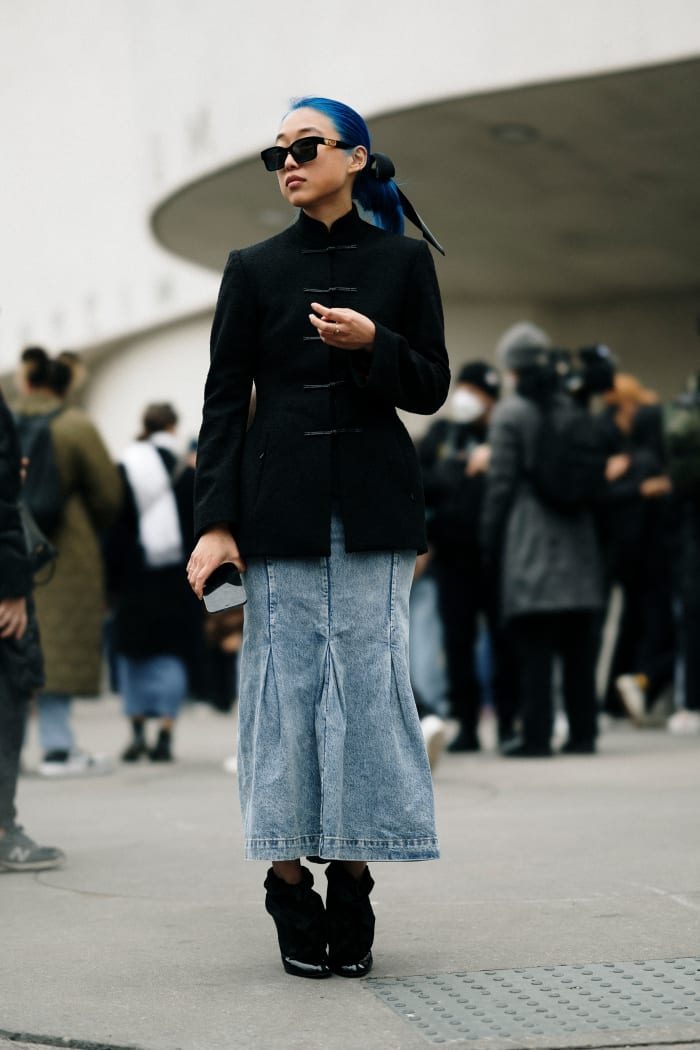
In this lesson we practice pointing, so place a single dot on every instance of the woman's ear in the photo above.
(358, 159)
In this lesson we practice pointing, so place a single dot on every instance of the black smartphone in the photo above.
(224, 589)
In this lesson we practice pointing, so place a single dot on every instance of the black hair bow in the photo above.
(382, 167)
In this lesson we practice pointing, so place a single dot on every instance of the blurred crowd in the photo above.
(563, 504)
(562, 581)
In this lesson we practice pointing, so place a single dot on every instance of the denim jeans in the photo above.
(53, 716)
(331, 759)
(427, 649)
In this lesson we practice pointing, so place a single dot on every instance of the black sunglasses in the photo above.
(303, 150)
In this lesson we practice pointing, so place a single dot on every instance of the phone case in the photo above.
(224, 589)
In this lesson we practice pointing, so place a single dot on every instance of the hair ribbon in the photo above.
(382, 168)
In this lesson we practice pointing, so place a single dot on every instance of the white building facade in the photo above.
(551, 147)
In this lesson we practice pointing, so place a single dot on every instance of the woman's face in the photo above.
(326, 180)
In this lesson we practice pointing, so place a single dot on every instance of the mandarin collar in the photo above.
(347, 228)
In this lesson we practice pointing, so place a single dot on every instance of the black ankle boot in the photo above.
(162, 751)
(350, 921)
(301, 924)
(137, 748)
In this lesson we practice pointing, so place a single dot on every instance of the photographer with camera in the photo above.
(539, 535)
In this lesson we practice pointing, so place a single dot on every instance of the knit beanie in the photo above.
(481, 375)
(523, 345)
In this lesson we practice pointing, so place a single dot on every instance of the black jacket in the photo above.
(154, 610)
(325, 420)
(453, 498)
(20, 661)
(633, 529)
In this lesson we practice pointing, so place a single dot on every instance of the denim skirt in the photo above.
(331, 759)
(154, 687)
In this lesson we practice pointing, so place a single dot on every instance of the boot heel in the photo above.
(300, 920)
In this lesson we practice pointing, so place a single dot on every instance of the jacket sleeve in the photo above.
(100, 481)
(501, 483)
(226, 401)
(410, 369)
(15, 570)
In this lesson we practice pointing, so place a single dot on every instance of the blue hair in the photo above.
(379, 198)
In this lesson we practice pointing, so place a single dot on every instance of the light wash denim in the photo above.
(427, 647)
(154, 687)
(331, 759)
(53, 720)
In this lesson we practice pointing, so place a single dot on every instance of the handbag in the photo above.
(40, 551)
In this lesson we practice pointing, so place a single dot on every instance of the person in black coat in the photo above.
(635, 524)
(319, 501)
(682, 426)
(454, 457)
(21, 665)
(156, 626)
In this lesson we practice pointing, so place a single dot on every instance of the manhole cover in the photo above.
(552, 1005)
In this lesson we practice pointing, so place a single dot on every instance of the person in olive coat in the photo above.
(71, 607)
(339, 323)
(21, 668)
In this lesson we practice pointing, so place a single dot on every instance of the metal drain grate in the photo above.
(552, 1005)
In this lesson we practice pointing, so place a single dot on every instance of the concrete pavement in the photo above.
(154, 934)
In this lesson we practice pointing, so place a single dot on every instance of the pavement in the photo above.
(153, 936)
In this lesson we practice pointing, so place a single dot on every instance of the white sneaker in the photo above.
(560, 730)
(434, 735)
(230, 765)
(78, 764)
(633, 697)
(684, 722)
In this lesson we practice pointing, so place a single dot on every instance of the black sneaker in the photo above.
(466, 740)
(579, 747)
(19, 853)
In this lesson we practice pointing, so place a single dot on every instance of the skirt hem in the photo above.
(342, 849)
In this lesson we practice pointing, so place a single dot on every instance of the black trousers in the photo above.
(464, 596)
(13, 713)
(690, 628)
(538, 639)
(646, 641)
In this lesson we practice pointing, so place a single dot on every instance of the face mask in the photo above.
(465, 407)
(509, 383)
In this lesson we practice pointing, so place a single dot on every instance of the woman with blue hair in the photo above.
(318, 502)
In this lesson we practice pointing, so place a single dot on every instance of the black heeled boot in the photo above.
(350, 921)
(162, 752)
(137, 748)
(301, 924)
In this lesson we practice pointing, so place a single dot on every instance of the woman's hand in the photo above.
(655, 487)
(214, 548)
(479, 461)
(343, 328)
(617, 466)
(13, 618)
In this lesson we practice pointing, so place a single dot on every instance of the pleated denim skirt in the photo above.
(331, 759)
